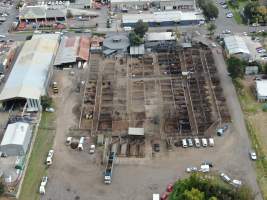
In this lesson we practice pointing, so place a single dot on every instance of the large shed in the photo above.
(31, 72)
(235, 45)
(16, 139)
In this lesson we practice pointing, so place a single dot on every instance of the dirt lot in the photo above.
(79, 175)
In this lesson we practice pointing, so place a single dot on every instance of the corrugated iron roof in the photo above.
(28, 76)
(83, 52)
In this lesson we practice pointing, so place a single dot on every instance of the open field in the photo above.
(256, 121)
(36, 168)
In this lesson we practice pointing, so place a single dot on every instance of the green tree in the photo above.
(140, 28)
(211, 29)
(236, 67)
(2, 188)
(46, 102)
(213, 198)
(251, 11)
(193, 194)
(135, 39)
(210, 10)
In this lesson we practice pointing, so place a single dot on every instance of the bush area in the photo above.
(199, 187)
(255, 13)
(210, 10)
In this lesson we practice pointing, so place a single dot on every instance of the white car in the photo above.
(204, 168)
(43, 185)
(245, 33)
(226, 31)
(236, 183)
(253, 155)
(225, 177)
(197, 143)
(191, 169)
(2, 36)
(211, 142)
(92, 149)
(229, 15)
(204, 142)
(213, 44)
(49, 157)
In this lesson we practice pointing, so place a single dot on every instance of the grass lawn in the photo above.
(36, 168)
(256, 121)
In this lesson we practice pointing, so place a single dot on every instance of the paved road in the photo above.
(238, 121)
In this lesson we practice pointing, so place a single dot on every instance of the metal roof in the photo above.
(15, 133)
(67, 51)
(261, 87)
(28, 76)
(83, 52)
(235, 45)
(160, 36)
(37, 12)
(116, 42)
(137, 50)
(136, 131)
(164, 16)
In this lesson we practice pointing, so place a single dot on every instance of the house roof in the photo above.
(15, 133)
(236, 44)
(29, 73)
(37, 12)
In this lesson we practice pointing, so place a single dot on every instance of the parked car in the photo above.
(253, 155)
(2, 36)
(68, 140)
(225, 177)
(184, 143)
(236, 183)
(190, 142)
(169, 187)
(156, 147)
(211, 142)
(209, 163)
(191, 169)
(197, 143)
(229, 15)
(49, 157)
(221, 131)
(204, 142)
(92, 149)
(164, 196)
(43, 185)
(225, 6)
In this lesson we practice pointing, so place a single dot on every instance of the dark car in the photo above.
(156, 147)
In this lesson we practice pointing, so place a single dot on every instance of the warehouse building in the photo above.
(236, 46)
(146, 4)
(31, 72)
(261, 90)
(115, 43)
(41, 14)
(72, 50)
(166, 18)
(16, 139)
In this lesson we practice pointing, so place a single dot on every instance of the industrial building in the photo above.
(261, 90)
(166, 18)
(16, 139)
(160, 36)
(160, 4)
(31, 72)
(236, 46)
(41, 14)
(115, 43)
(72, 50)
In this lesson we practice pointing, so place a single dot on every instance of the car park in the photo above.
(253, 155)
(191, 169)
(197, 142)
(43, 185)
(190, 142)
(204, 142)
(225, 177)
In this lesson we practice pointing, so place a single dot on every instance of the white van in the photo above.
(184, 143)
(204, 142)
(197, 143)
(211, 142)
(156, 197)
(127, 28)
(49, 157)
